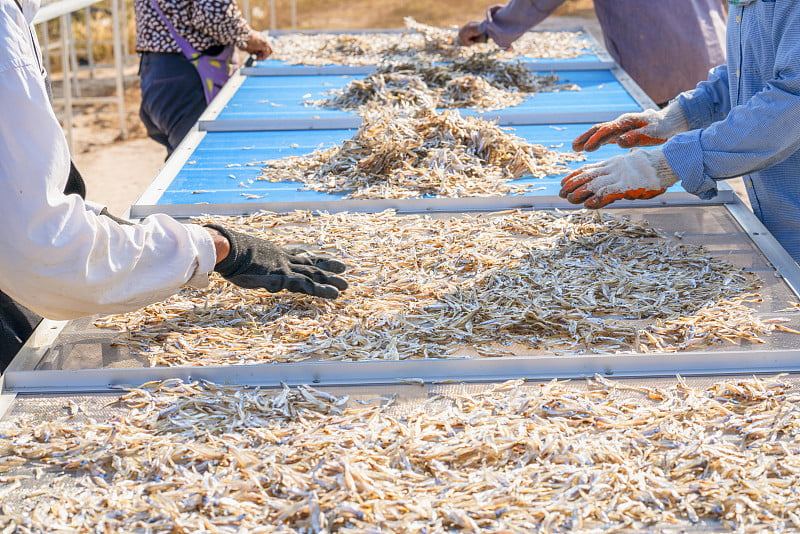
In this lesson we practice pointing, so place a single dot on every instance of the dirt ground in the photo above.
(117, 170)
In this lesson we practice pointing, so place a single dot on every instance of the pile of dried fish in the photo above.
(514, 458)
(533, 282)
(423, 153)
(478, 81)
(420, 41)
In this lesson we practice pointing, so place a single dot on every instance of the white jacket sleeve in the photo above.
(58, 257)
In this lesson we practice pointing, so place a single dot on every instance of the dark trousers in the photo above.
(16, 325)
(172, 97)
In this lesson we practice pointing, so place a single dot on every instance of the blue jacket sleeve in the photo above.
(504, 24)
(709, 102)
(759, 133)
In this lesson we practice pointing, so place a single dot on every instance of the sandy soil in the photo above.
(117, 171)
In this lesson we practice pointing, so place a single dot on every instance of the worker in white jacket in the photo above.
(61, 259)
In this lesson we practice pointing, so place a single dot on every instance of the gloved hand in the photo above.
(258, 45)
(255, 263)
(639, 174)
(647, 128)
(470, 34)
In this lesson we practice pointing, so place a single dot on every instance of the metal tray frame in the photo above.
(21, 377)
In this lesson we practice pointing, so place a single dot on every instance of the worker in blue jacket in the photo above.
(743, 121)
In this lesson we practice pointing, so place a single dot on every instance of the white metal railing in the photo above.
(63, 10)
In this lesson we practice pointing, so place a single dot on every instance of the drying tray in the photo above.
(217, 172)
(32, 409)
(76, 356)
(277, 102)
(593, 57)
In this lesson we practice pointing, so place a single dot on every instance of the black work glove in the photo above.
(255, 263)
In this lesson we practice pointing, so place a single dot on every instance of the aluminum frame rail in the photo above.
(413, 371)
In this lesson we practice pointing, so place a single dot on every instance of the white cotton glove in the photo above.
(639, 174)
(647, 128)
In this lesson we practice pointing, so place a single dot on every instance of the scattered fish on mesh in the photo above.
(513, 457)
(489, 285)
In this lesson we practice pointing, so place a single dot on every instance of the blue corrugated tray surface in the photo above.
(282, 97)
(217, 172)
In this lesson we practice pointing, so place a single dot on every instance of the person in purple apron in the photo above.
(186, 49)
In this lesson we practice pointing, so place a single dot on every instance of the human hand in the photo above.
(647, 128)
(255, 263)
(639, 174)
(258, 46)
(470, 34)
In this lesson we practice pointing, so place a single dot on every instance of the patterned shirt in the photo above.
(204, 23)
(746, 119)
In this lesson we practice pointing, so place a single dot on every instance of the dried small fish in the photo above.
(420, 41)
(481, 80)
(422, 153)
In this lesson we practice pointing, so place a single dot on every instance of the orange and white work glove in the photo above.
(647, 128)
(639, 174)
